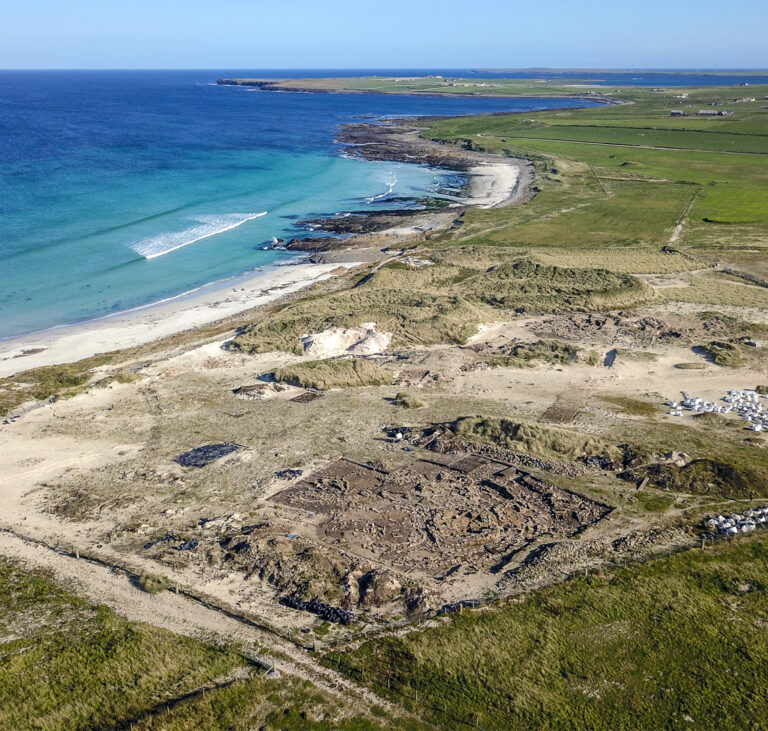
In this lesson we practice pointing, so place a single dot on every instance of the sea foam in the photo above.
(207, 226)
(392, 182)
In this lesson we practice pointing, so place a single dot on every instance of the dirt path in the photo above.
(180, 614)
(684, 216)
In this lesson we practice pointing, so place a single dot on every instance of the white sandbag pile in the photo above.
(735, 523)
(745, 403)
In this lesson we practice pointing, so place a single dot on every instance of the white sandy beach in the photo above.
(493, 184)
(136, 327)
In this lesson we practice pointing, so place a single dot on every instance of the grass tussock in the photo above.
(407, 401)
(639, 356)
(324, 375)
(648, 647)
(723, 354)
(541, 441)
(152, 583)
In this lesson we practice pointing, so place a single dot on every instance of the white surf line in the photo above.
(391, 184)
(153, 255)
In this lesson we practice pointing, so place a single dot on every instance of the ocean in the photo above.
(120, 189)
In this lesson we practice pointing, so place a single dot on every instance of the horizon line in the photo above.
(558, 69)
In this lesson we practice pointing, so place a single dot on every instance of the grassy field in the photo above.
(66, 664)
(677, 643)
(421, 85)
(478, 86)
(625, 175)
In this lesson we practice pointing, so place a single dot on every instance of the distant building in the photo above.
(676, 113)
(681, 96)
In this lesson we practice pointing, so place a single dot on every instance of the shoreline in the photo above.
(204, 306)
(273, 85)
(492, 181)
(400, 140)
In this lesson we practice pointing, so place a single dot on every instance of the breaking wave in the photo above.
(154, 246)
(392, 182)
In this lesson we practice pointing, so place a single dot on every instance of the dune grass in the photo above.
(408, 401)
(338, 373)
(525, 355)
(412, 316)
(715, 289)
(444, 303)
(719, 477)
(541, 441)
(66, 664)
(680, 641)
(723, 353)
(38, 384)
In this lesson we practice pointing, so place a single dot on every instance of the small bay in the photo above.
(119, 189)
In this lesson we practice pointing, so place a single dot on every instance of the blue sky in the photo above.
(256, 34)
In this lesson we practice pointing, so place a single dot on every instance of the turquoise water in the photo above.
(136, 244)
(124, 188)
